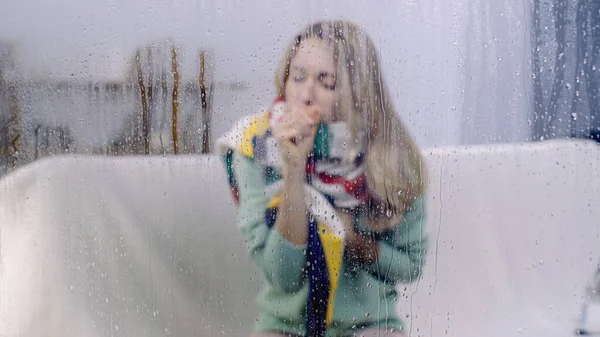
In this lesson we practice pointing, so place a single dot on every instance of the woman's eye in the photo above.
(329, 86)
(298, 79)
(327, 81)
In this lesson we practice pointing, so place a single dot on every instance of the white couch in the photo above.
(147, 246)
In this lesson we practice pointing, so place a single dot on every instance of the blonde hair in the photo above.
(395, 167)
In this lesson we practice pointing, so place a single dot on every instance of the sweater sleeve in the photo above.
(402, 250)
(280, 261)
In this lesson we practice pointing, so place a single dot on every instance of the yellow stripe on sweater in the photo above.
(274, 202)
(332, 246)
(258, 126)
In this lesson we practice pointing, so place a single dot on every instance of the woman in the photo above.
(330, 188)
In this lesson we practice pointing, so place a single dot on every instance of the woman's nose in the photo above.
(308, 94)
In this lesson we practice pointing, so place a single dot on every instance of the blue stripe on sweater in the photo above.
(318, 283)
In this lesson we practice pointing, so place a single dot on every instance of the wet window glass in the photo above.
(320, 168)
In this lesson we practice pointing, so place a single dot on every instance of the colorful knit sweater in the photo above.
(364, 295)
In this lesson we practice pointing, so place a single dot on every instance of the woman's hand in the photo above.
(359, 248)
(296, 132)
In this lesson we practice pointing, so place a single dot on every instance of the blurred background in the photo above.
(164, 77)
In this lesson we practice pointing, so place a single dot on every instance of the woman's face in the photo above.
(312, 79)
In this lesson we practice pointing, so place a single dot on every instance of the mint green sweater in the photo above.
(366, 295)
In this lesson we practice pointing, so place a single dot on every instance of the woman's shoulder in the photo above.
(234, 137)
(239, 136)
